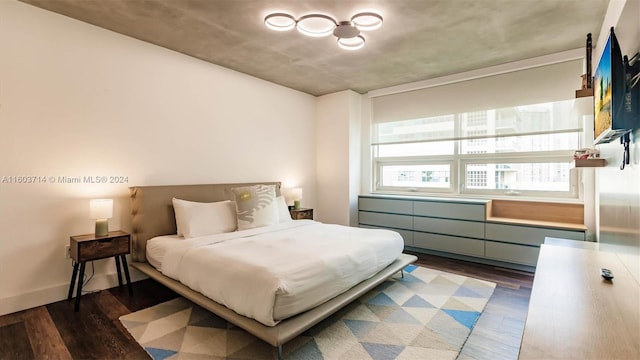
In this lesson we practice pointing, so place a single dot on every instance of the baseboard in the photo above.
(59, 292)
(474, 259)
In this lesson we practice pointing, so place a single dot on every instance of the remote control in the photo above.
(606, 273)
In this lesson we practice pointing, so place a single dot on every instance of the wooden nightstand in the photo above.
(299, 214)
(90, 247)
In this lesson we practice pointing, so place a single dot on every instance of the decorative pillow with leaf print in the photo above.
(256, 206)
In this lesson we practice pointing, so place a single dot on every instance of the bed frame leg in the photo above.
(402, 273)
(280, 352)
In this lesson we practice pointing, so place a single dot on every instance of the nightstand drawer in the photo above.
(300, 214)
(100, 248)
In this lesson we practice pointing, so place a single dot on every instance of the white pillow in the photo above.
(198, 219)
(256, 206)
(283, 210)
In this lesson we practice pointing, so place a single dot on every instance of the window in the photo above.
(427, 176)
(516, 177)
(521, 150)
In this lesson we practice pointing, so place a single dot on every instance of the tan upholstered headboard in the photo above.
(152, 209)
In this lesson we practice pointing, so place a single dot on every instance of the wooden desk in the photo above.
(575, 314)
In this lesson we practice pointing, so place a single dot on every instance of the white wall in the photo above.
(77, 100)
(338, 157)
(355, 154)
(619, 190)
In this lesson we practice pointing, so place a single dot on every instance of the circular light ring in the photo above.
(280, 21)
(353, 43)
(367, 21)
(316, 25)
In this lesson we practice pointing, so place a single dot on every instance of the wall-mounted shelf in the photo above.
(589, 163)
(584, 92)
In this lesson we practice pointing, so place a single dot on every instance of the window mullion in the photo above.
(456, 172)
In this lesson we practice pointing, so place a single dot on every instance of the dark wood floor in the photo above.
(55, 331)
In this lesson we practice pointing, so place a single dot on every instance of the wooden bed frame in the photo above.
(152, 215)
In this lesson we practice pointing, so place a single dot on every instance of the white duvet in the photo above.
(274, 272)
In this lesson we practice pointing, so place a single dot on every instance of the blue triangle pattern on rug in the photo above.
(410, 268)
(382, 287)
(308, 351)
(401, 317)
(417, 302)
(360, 328)
(408, 278)
(382, 299)
(466, 318)
(466, 292)
(383, 351)
(160, 354)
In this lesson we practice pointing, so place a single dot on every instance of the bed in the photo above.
(152, 216)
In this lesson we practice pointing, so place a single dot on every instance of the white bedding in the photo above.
(157, 247)
(274, 272)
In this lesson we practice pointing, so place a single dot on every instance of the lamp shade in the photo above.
(296, 194)
(367, 21)
(280, 21)
(316, 25)
(353, 43)
(291, 195)
(101, 209)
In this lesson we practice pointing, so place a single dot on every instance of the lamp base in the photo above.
(296, 204)
(102, 227)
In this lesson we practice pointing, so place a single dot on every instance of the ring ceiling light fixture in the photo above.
(320, 25)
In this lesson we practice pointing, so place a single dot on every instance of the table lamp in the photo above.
(296, 195)
(292, 197)
(101, 210)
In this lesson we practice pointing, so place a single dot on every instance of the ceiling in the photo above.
(419, 39)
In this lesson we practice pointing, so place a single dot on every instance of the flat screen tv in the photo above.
(609, 91)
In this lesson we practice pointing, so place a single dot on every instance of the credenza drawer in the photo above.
(518, 254)
(449, 210)
(449, 244)
(449, 227)
(528, 235)
(386, 220)
(386, 205)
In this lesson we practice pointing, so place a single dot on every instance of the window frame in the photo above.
(457, 163)
(436, 160)
(557, 156)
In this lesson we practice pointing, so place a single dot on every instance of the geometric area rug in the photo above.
(428, 314)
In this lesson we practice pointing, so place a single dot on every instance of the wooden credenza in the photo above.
(576, 314)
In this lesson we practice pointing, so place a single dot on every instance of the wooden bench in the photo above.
(536, 213)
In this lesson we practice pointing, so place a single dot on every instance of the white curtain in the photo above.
(504, 93)
(531, 86)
